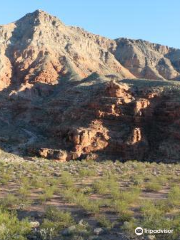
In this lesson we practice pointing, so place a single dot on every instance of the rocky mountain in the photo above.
(147, 60)
(69, 94)
(40, 48)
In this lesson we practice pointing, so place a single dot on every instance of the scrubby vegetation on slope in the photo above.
(74, 199)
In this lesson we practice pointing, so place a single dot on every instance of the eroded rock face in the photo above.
(40, 48)
(102, 120)
(148, 60)
(64, 96)
(85, 141)
(56, 154)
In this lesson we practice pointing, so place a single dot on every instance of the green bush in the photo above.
(67, 179)
(87, 172)
(130, 196)
(88, 205)
(61, 218)
(9, 201)
(174, 196)
(122, 208)
(11, 228)
(54, 221)
(101, 187)
(5, 178)
(103, 221)
(48, 193)
(153, 186)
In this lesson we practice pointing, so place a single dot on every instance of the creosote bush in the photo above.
(11, 228)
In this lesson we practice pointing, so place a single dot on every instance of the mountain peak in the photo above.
(39, 16)
(41, 13)
(42, 49)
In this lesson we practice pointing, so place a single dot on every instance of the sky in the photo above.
(156, 21)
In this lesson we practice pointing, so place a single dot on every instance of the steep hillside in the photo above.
(148, 60)
(40, 48)
(68, 94)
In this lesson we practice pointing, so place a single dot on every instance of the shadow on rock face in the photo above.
(103, 120)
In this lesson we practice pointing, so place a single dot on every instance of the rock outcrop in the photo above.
(147, 60)
(68, 94)
(40, 48)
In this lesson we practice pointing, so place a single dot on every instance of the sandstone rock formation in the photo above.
(148, 60)
(68, 94)
(40, 48)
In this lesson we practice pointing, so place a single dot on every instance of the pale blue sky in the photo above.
(153, 20)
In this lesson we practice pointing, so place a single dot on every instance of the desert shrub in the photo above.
(164, 205)
(9, 201)
(115, 193)
(162, 179)
(105, 202)
(122, 208)
(5, 178)
(153, 186)
(175, 225)
(67, 179)
(24, 181)
(38, 182)
(137, 180)
(154, 216)
(91, 206)
(11, 228)
(23, 191)
(149, 209)
(174, 196)
(101, 186)
(103, 221)
(129, 226)
(82, 230)
(69, 194)
(56, 220)
(130, 196)
(88, 205)
(55, 215)
(86, 190)
(47, 194)
(87, 172)
(114, 188)
(106, 184)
